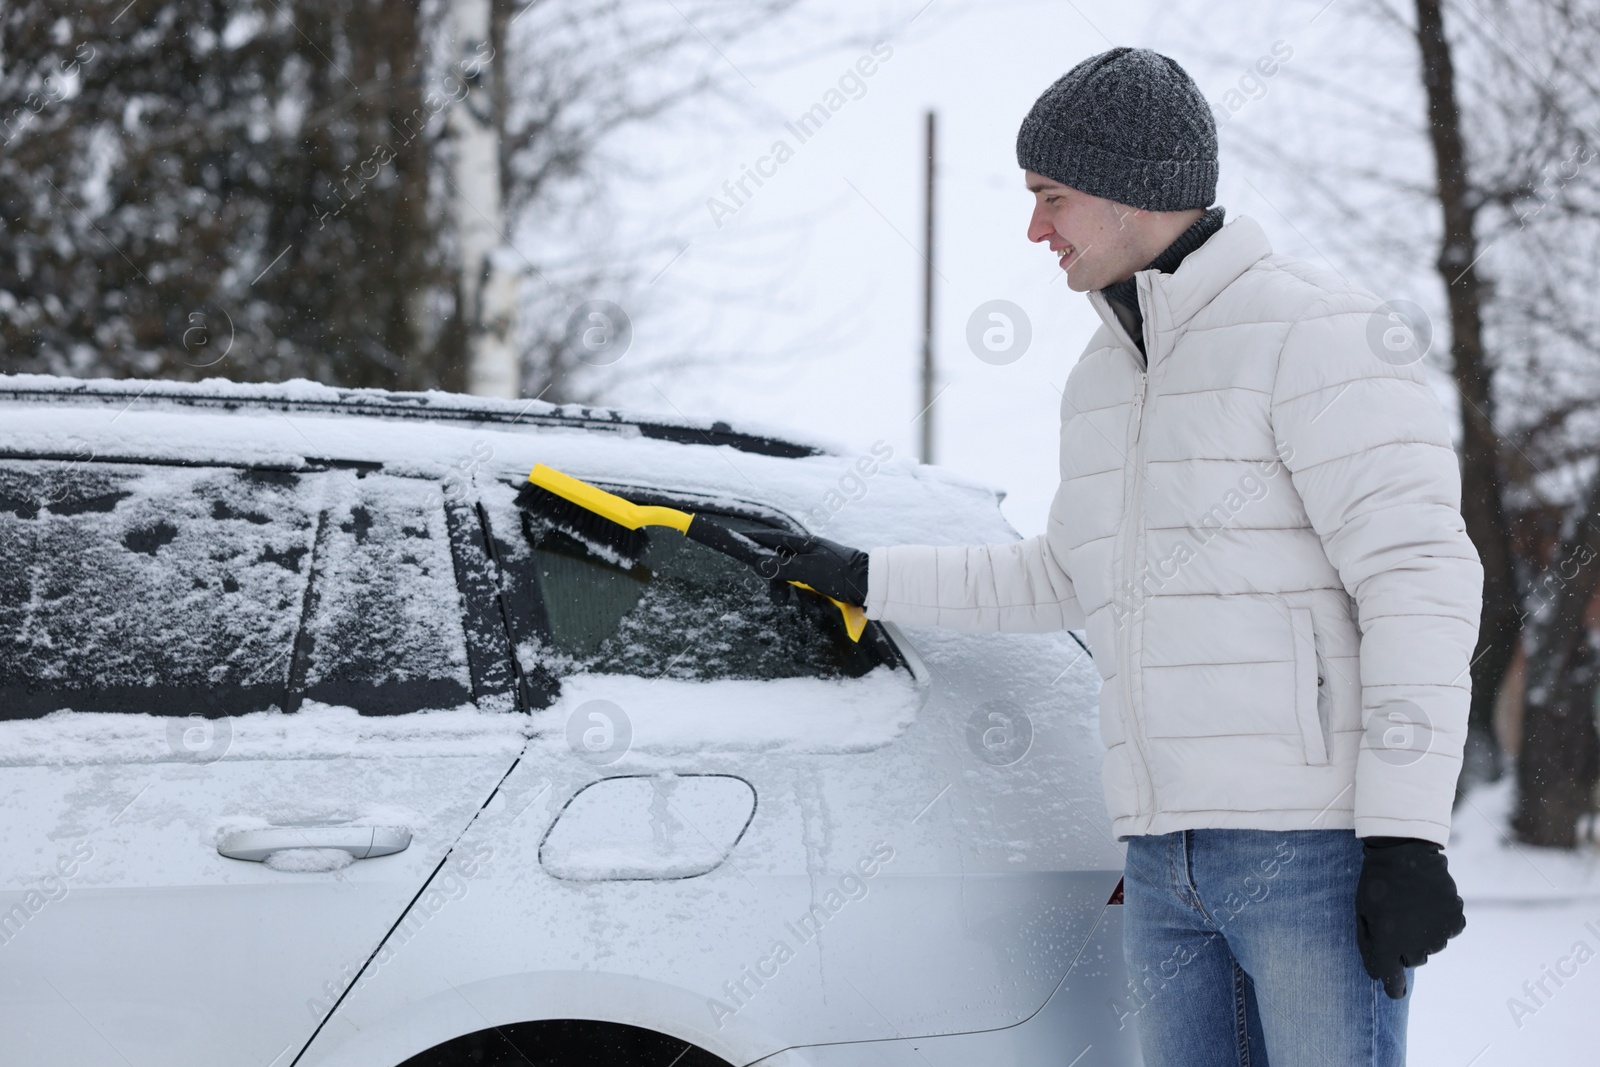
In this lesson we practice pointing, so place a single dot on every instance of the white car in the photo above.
(317, 747)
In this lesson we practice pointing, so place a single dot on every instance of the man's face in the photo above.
(1095, 238)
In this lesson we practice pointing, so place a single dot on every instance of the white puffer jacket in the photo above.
(1263, 536)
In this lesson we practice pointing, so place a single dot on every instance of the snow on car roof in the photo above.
(306, 395)
(869, 498)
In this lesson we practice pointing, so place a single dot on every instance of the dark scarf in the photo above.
(1124, 295)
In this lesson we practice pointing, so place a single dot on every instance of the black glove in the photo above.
(830, 568)
(1406, 908)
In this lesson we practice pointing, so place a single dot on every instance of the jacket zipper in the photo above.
(1130, 555)
(1138, 407)
(1134, 493)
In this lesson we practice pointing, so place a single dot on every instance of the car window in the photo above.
(120, 583)
(679, 610)
(384, 632)
(181, 590)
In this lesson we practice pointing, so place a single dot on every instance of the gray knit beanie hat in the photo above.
(1128, 125)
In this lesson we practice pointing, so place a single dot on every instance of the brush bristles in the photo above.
(581, 524)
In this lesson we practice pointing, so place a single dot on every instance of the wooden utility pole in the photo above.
(927, 308)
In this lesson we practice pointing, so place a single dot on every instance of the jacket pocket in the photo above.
(1308, 684)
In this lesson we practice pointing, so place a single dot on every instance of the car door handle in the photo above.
(362, 842)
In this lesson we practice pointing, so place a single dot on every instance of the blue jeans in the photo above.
(1241, 951)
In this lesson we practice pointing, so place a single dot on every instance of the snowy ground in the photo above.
(1533, 915)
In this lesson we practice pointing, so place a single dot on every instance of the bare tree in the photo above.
(570, 101)
(1558, 764)
(1542, 211)
(1482, 476)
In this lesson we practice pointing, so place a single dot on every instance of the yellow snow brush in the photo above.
(578, 503)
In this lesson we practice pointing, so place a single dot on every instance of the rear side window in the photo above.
(384, 630)
(678, 610)
(218, 591)
(120, 583)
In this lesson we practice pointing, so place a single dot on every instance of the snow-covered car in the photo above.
(317, 747)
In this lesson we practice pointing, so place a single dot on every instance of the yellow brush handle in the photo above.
(608, 505)
(855, 618)
(626, 513)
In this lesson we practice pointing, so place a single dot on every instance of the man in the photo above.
(1258, 524)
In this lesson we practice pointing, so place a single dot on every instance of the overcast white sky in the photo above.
(815, 281)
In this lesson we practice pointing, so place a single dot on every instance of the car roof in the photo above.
(862, 496)
(302, 395)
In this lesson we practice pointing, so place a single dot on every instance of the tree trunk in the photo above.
(489, 293)
(1559, 762)
(1482, 477)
